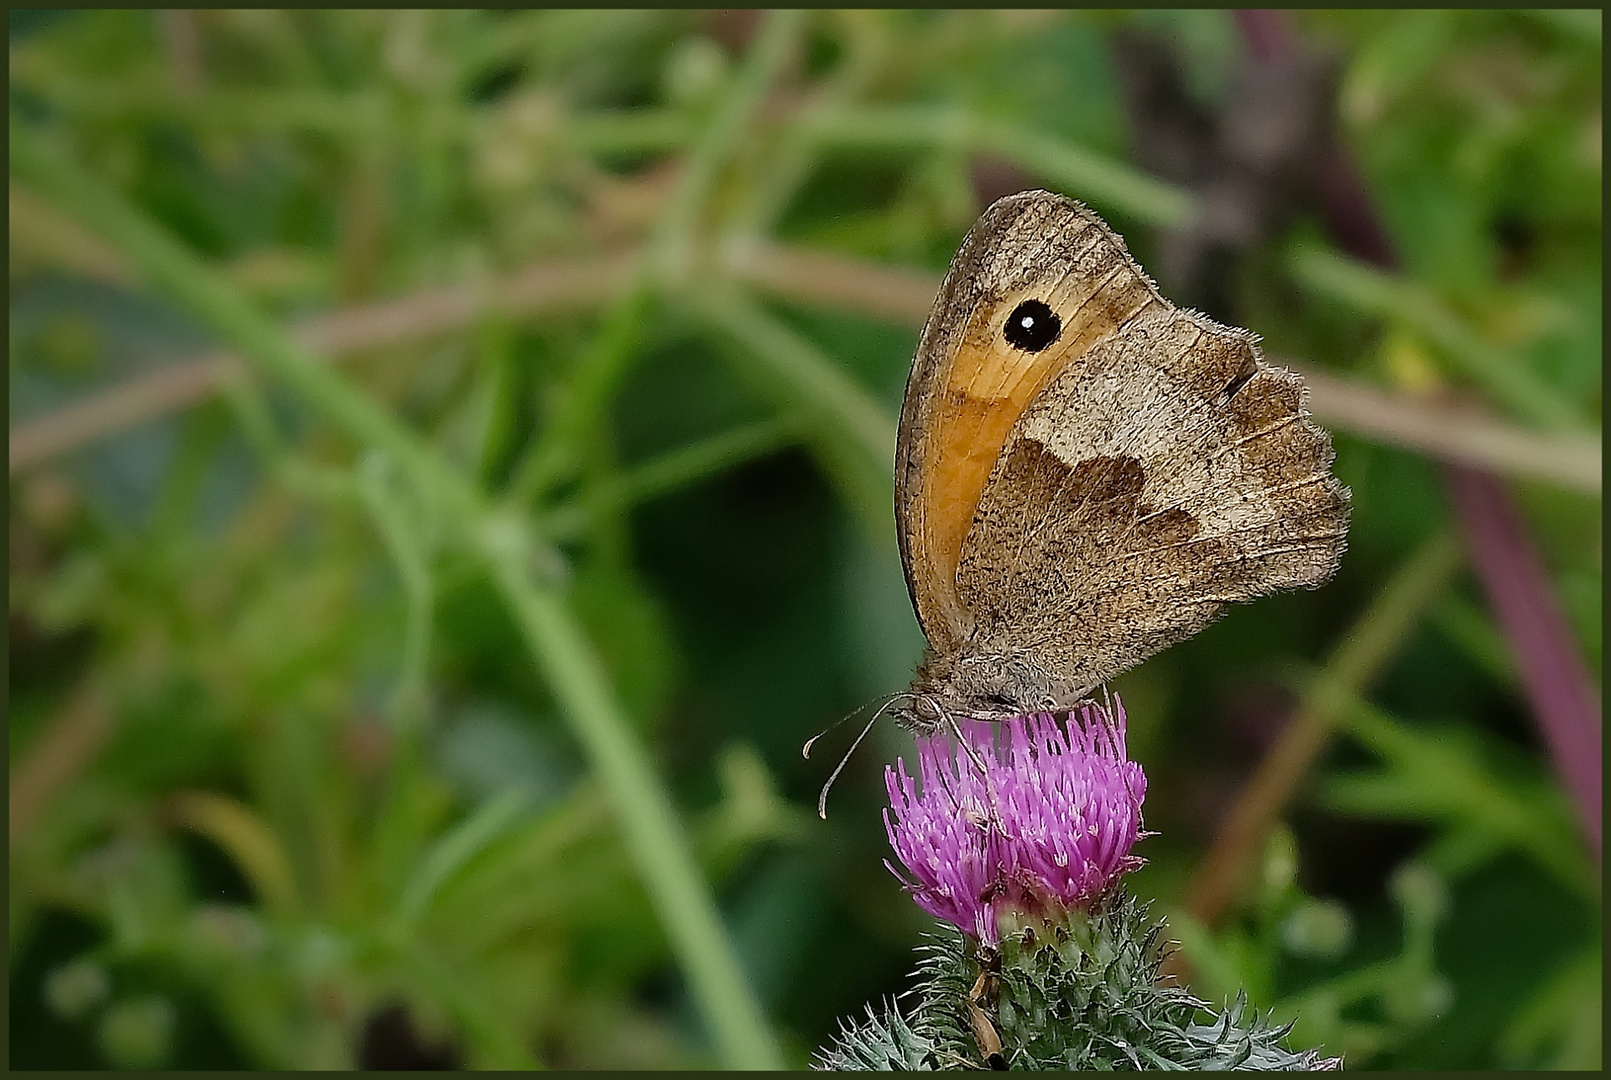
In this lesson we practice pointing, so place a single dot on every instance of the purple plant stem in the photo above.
(1555, 679)
(1269, 35)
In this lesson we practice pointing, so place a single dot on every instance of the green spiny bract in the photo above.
(1079, 993)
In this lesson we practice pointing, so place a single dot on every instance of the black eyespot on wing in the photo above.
(1032, 326)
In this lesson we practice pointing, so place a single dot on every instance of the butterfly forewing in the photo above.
(969, 385)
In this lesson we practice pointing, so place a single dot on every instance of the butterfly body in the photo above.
(1086, 474)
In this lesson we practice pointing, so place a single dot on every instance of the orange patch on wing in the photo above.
(985, 389)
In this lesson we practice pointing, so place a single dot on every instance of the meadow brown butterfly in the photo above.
(1087, 474)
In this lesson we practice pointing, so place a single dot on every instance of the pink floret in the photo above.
(1049, 822)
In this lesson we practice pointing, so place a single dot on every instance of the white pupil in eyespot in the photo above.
(1031, 326)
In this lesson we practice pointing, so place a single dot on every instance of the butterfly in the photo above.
(1086, 474)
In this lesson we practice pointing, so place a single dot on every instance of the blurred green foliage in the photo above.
(283, 769)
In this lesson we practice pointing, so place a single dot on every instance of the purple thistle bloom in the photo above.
(1047, 825)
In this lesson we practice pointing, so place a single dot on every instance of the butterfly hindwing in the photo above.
(1138, 494)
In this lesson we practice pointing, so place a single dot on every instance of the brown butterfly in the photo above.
(1087, 474)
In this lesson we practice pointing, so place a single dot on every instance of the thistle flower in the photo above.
(1018, 837)
(1030, 825)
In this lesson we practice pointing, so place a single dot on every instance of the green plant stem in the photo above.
(673, 240)
(313, 482)
(408, 541)
(651, 828)
(682, 466)
(491, 1045)
(586, 395)
(672, 470)
(176, 272)
(666, 257)
(784, 171)
(640, 131)
(1100, 179)
(1368, 645)
(1456, 788)
(1090, 176)
(559, 647)
(852, 434)
(452, 851)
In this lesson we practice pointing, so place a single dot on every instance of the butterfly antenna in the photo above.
(805, 751)
(822, 799)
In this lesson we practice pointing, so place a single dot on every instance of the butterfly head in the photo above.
(982, 686)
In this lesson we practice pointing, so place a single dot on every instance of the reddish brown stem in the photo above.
(1557, 681)
(1554, 678)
